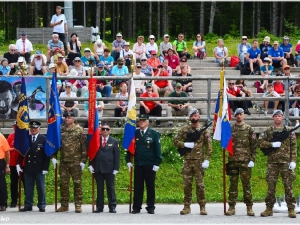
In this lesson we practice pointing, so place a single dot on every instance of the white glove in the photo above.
(292, 165)
(251, 164)
(189, 144)
(91, 169)
(129, 166)
(115, 172)
(18, 169)
(205, 164)
(45, 172)
(54, 161)
(155, 168)
(82, 165)
(276, 144)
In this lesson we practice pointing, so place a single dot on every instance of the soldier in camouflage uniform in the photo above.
(72, 161)
(281, 161)
(241, 163)
(195, 162)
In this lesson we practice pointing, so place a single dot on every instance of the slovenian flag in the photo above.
(130, 125)
(222, 128)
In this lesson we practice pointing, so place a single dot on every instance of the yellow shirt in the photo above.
(4, 146)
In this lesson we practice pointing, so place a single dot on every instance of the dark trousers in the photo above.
(3, 188)
(154, 112)
(62, 37)
(119, 112)
(144, 174)
(72, 56)
(292, 59)
(26, 55)
(31, 179)
(14, 183)
(109, 179)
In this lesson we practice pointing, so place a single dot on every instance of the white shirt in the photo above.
(28, 45)
(64, 95)
(124, 53)
(150, 47)
(144, 131)
(59, 28)
(35, 137)
(38, 63)
(138, 83)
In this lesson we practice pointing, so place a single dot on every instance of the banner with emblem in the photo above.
(53, 139)
(21, 140)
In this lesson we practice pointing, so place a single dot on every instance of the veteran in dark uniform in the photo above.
(195, 161)
(280, 161)
(35, 169)
(105, 166)
(147, 159)
(241, 163)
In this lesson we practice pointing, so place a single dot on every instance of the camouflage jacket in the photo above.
(288, 150)
(74, 144)
(204, 142)
(244, 143)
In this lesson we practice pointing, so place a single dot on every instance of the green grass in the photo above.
(169, 184)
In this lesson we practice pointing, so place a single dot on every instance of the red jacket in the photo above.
(14, 154)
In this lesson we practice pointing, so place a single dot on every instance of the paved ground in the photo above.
(164, 214)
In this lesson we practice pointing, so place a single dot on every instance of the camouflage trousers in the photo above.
(193, 168)
(245, 176)
(67, 170)
(288, 176)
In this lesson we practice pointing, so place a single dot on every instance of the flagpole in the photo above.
(55, 170)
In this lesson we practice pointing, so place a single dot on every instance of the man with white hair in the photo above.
(12, 57)
(24, 47)
(55, 46)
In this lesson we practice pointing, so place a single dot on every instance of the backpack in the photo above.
(234, 61)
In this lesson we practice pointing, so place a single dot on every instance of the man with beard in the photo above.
(195, 161)
(6, 98)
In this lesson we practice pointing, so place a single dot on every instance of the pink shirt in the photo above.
(173, 61)
(139, 48)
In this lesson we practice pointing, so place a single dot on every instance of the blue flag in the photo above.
(53, 141)
(22, 129)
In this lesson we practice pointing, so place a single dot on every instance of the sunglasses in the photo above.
(143, 60)
(103, 129)
(151, 38)
(180, 36)
(231, 83)
(198, 36)
(13, 50)
(121, 64)
(244, 39)
(286, 69)
(77, 61)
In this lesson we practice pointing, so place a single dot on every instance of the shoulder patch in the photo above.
(293, 135)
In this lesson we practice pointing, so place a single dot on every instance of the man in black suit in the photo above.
(105, 165)
(35, 169)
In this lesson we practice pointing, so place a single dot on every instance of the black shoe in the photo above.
(25, 209)
(247, 112)
(112, 211)
(42, 210)
(98, 210)
(135, 211)
(13, 205)
(2, 208)
(151, 211)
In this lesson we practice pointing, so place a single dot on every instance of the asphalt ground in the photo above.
(164, 214)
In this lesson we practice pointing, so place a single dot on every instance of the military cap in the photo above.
(238, 111)
(70, 113)
(193, 111)
(34, 124)
(277, 112)
(179, 85)
(143, 117)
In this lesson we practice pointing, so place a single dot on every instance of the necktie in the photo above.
(104, 142)
(33, 139)
(142, 133)
(23, 46)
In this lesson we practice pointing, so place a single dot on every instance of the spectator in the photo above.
(150, 107)
(297, 53)
(107, 60)
(266, 71)
(74, 47)
(295, 104)
(61, 67)
(38, 64)
(139, 48)
(180, 106)
(163, 47)
(243, 87)
(220, 52)
(12, 57)
(173, 61)
(235, 92)
(104, 86)
(264, 47)
(287, 48)
(119, 70)
(287, 73)
(139, 84)
(180, 47)
(243, 49)
(153, 61)
(69, 105)
(270, 104)
(166, 67)
(50, 73)
(183, 62)
(199, 47)
(187, 85)
(55, 45)
(253, 57)
(86, 59)
(277, 55)
(150, 46)
(117, 46)
(280, 89)
(80, 72)
(78, 85)
(122, 105)
(126, 54)
(99, 47)
(162, 86)
(24, 47)
(99, 104)
(4, 67)
(20, 63)
(146, 69)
